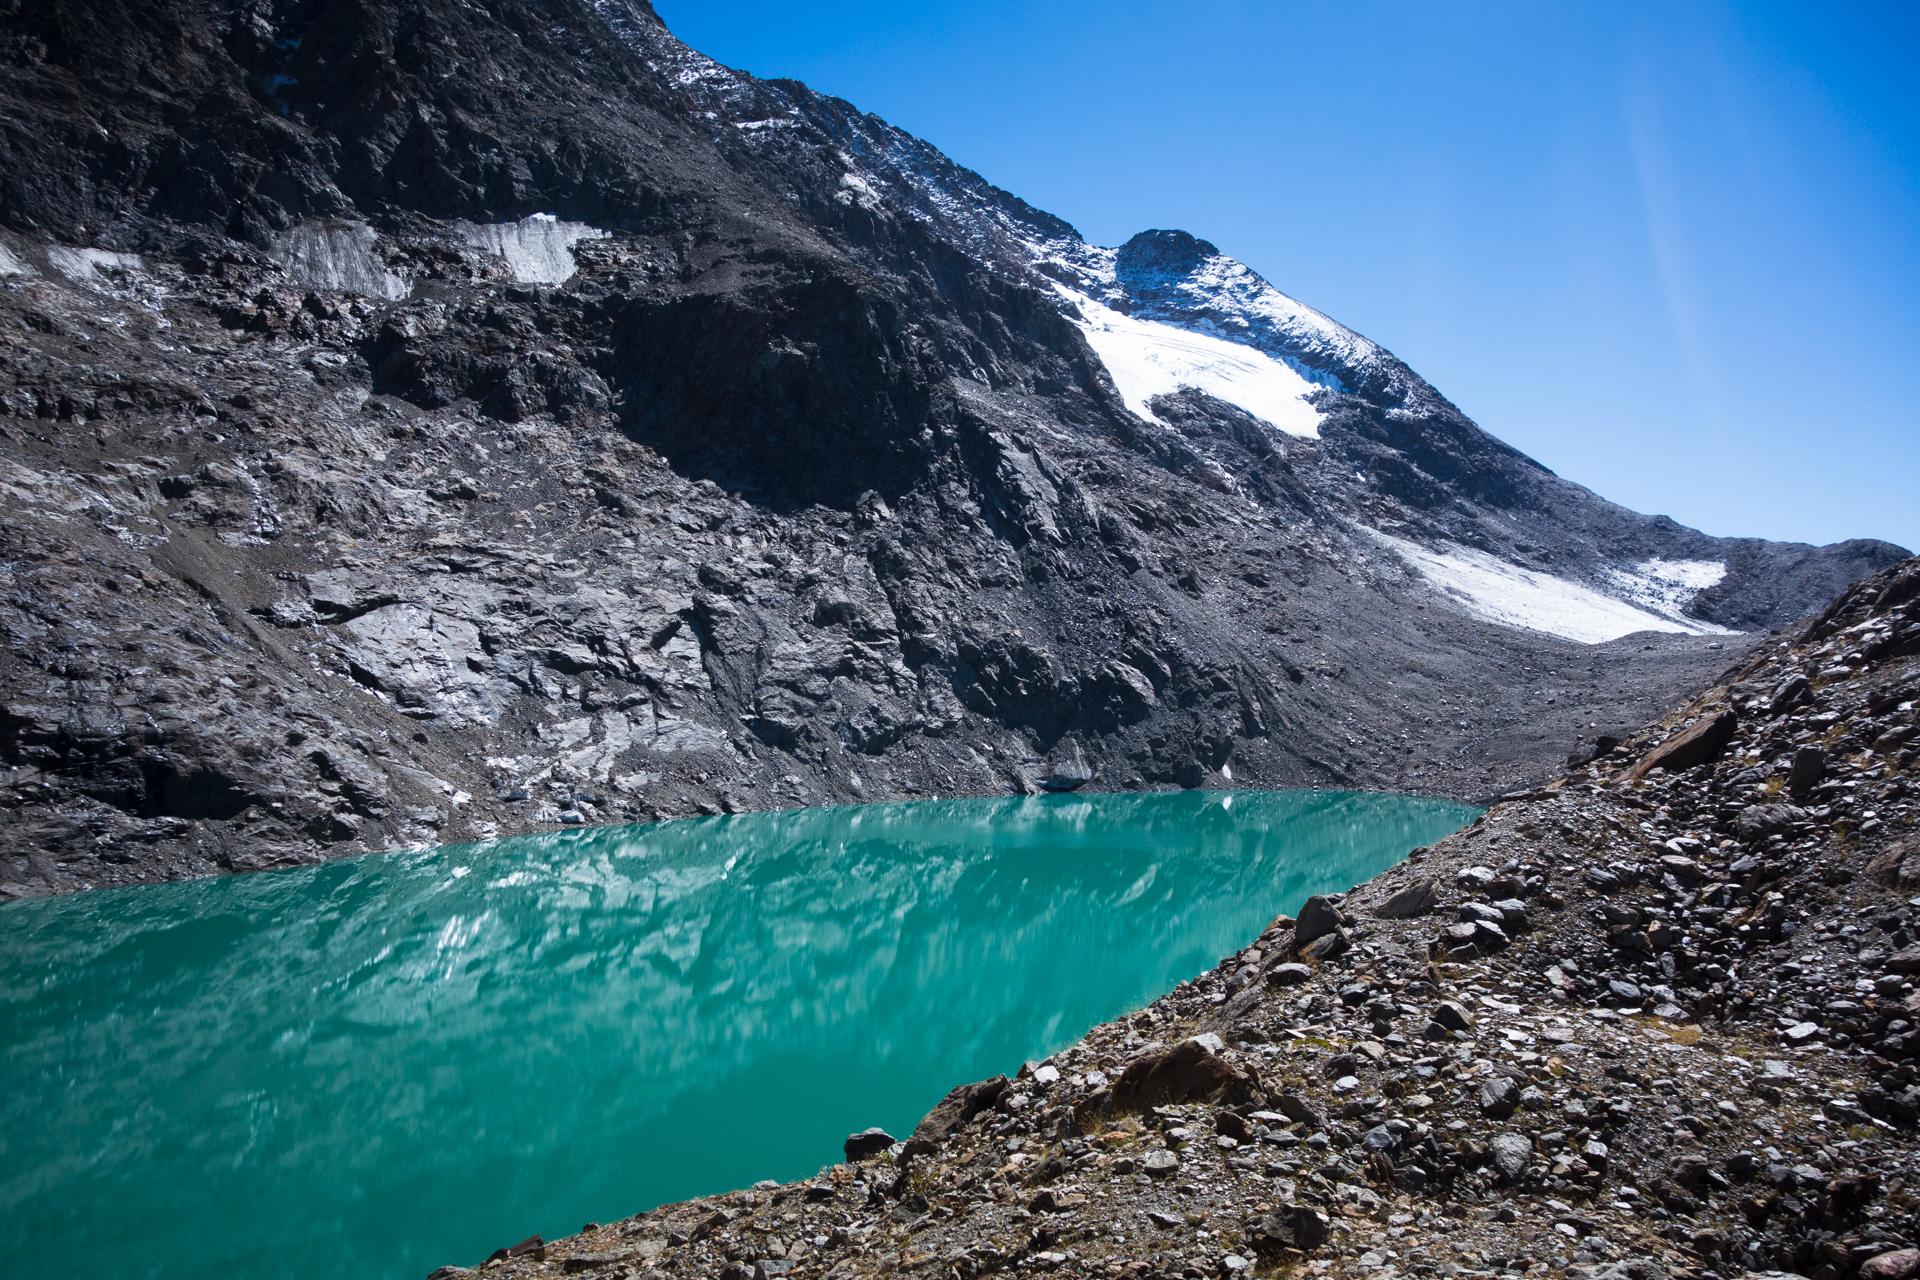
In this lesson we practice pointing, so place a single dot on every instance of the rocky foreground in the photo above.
(1657, 1018)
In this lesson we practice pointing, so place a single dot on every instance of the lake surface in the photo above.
(374, 1067)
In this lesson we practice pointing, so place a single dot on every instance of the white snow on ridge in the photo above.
(538, 249)
(1245, 302)
(1494, 590)
(12, 266)
(1148, 359)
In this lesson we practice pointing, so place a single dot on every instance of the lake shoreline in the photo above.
(1654, 1020)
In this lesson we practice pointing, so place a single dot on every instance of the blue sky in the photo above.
(1670, 250)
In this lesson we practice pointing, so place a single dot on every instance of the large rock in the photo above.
(1897, 867)
(1190, 1071)
(1294, 1227)
(1511, 1151)
(1897, 1264)
(1067, 768)
(866, 1144)
(1809, 766)
(1318, 918)
(1758, 821)
(1695, 745)
(1415, 898)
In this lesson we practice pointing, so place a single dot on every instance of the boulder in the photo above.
(1185, 1072)
(1758, 821)
(1413, 899)
(1897, 867)
(1809, 766)
(1899, 1264)
(1695, 745)
(1790, 693)
(1511, 1151)
(1326, 947)
(1318, 918)
(866, 1144)
(1067, 768)
(1292, 1227)
(1499, 1098)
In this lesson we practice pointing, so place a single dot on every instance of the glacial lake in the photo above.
(375, 1067)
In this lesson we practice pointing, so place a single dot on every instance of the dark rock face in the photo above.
(425, 421)
(960, 1107)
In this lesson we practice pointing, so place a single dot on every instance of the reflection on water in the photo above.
(378, 1066)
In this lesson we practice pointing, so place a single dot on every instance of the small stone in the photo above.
(1161, 1162)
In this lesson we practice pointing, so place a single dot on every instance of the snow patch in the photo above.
(12, 266)
(338, 257)
(1666, 586)
(84, 266)
(855, 189)
(537, 249)
(1494, 590)
(1148, 359)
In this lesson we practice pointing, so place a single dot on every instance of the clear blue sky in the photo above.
(1671, 250)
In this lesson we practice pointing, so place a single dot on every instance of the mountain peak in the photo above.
(1163, 253)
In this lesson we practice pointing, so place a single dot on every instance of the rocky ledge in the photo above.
(1658, 1018)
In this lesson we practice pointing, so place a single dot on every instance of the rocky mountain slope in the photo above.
(421, 421)
(1654, 1019)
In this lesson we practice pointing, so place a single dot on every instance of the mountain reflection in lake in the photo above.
(377, 1066)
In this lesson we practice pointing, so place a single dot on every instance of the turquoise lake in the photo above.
(375, 1067)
